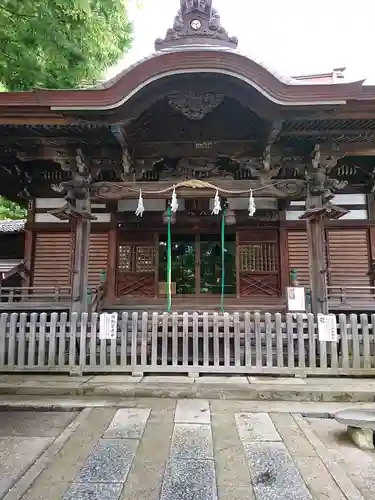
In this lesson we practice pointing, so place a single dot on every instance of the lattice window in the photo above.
(258, 257)
(138, 259)
(125, 257)
(145, 259)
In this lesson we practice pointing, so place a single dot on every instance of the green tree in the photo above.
(11, 210)
(60, 43)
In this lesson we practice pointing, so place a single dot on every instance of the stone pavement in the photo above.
(204, 387)
(163, 449)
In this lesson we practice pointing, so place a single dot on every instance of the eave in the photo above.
(162, 65)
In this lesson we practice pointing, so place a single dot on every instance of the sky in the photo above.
(291, 37)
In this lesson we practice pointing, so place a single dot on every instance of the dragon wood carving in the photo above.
(76, 192)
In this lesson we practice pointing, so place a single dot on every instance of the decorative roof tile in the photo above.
(12, 226)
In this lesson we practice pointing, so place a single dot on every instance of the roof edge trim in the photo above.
(197, 70)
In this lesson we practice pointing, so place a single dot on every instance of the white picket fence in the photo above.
(239, 343)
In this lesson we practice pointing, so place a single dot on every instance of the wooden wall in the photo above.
(53, 243)
(347, 251)
(52, 258)
(298, 254)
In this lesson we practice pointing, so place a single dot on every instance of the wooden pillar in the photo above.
(284, 258)
(112, 259)
(371, 216)
(317, 261)
(283, 246)
(238, 263)
(29, 244)
(81, 259)
(78, 210)
(157, 249)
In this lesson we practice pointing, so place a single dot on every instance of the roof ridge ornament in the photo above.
(196, 23)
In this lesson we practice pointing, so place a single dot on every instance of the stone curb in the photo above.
(175, 391)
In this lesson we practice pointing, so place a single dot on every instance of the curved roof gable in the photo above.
(197, 43)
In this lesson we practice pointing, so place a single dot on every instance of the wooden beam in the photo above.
(330, 132)
(275, 131)
(68, 153)
(119, 132)
(271, 188)
(349, 148)
(34, 120)
(194, 148)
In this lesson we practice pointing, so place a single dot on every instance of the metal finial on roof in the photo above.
(196, 23)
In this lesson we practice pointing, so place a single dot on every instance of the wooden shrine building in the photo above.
(201, 125)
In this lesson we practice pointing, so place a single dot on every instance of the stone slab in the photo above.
(109, 462)
(93, 492)
(50, 379)
(189, 480)
(31, 476)
(232, 471)
(168, 379)
(73, 383)
(31, 424)
(245, 392)
(128, 423)
(256, 427)
(363, 419)
(222, 380)
(17, 454)
(192, 441)
(292, 436)
(274, 473)
(329, 456)
(340, 381)
(276, 380)
(146, 475)
(113, 379)
(317, 478)
(193, 411)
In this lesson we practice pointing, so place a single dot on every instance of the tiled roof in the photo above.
(12, 226)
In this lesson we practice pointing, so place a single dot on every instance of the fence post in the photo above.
(42, 339)
(82, 344)
(73, 368)
(12, 339)
(3, 331)
(52, 340)
(21, 341)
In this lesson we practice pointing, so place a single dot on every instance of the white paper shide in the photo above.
(108, 326)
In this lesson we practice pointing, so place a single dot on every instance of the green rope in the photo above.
(222, 261)
(169, 263)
